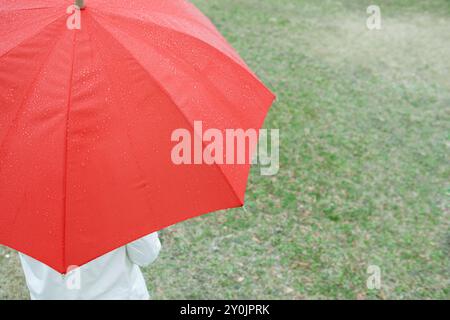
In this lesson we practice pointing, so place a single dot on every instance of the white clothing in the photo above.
(114, 276)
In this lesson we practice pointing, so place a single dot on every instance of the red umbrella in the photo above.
(89, 101)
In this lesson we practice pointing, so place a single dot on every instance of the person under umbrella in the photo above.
(90, 100)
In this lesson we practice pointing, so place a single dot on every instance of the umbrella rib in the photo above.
(171, 99)
(26, 9)
(69, 98)
(25, 99)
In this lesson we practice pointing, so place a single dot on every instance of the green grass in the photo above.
(365, 149)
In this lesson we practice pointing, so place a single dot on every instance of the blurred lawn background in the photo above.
(365, 149)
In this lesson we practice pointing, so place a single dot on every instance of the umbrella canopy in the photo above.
(87, 116)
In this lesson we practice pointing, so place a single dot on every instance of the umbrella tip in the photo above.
(80, 4)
